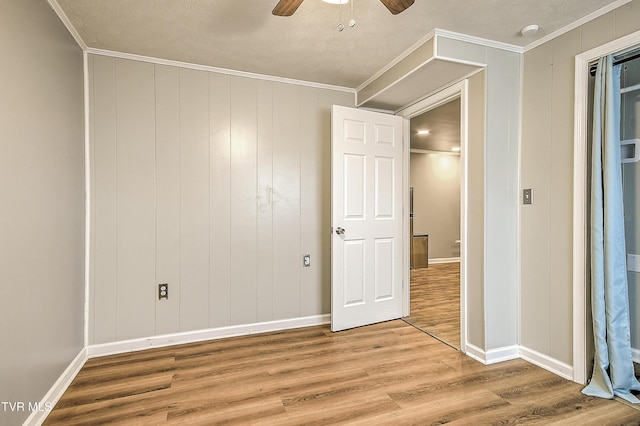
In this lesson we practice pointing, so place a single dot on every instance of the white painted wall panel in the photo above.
(264, 290)
(194, 190)
(286, 202)
(220, 193)
(167, 80)
(311, 207)
(135, 189)
(501, 202)
(104, 288)
(230, 222)
(243, 200)
(534, 272)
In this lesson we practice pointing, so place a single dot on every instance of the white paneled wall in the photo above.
(213, 183)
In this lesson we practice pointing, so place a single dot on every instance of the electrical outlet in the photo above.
(306, 260)
(163, 291)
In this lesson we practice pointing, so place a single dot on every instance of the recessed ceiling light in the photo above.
(529, 30)
(336, 1)
(423, 132)
(455, 149)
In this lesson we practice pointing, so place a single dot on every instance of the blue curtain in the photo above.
(613, 373)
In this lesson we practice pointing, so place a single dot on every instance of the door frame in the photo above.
(458, 90)
(580, 196)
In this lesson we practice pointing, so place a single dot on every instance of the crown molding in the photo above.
(172, 63)
(590, 17)
(478, 40)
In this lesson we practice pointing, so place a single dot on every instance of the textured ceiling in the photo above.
(243, 34)
(443, 124)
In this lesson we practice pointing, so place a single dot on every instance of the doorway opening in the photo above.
(435, 222)
(436, 168)
(582, 339)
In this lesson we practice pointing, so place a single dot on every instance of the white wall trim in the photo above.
(67, 23)
(506, 353)
(87, 199)
(202, 335)
(478, 40)
(544, 361)
(440, 260)
(580, 196)
(476, 353)
(218, 70)
(397, 60)
(51, 398)
(590, 17)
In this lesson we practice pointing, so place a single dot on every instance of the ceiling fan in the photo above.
(288, 7)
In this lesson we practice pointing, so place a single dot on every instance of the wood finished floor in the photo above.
(435, 301)
(388, 373)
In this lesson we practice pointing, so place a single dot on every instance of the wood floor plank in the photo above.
(388, 373)
(435, 301)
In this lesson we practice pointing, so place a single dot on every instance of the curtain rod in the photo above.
(622, 60)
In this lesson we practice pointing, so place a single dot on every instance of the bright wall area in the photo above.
(42, 197)
(435, 179)
(546, 166)
(213, 183)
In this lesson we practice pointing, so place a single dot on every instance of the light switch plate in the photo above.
(527, 196)
(633, 262)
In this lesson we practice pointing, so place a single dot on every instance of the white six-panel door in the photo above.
(366, 197)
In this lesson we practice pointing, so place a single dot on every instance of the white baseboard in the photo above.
(546, 362)
(444, 260)
(201, 335)
(493, 356)
(476, 353)
(52, 397)
(635, 354)
(506, 353)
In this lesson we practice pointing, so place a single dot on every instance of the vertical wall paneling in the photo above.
(194, 190)
(92, 203)
(286, 200)
(167, 81)
(565, 48)
(475, 207)
(104, 200)
(265, 196)
(220, 190)
(215, 184)
(501, 205)
(135, 188)
(243, 200)
(536, 130)
(311, 177)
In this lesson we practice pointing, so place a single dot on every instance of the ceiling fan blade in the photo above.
(286, 7)
(397, 6)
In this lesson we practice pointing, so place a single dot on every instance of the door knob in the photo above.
(340, 231)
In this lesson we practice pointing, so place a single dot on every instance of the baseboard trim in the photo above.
(506, 353)
(493, 356)
(635, 354)
(544, 361)
(439, 260)
(476, 353)
(51, 398)
(133, 345)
